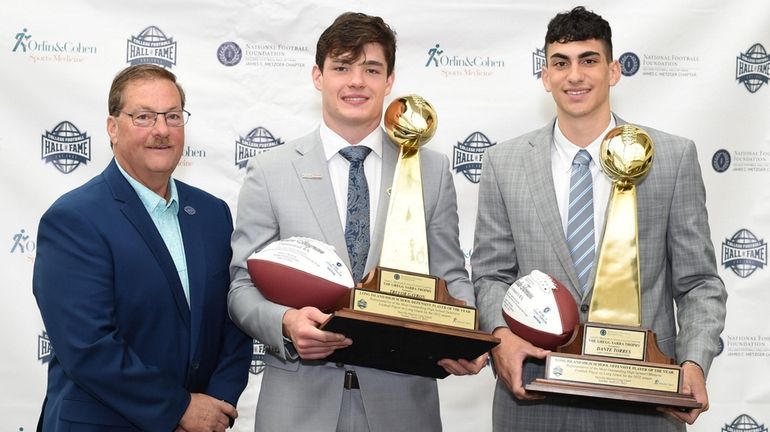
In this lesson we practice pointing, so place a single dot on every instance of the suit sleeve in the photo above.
(256, 226)
(73, 284)
(493, 262)
(698, 291)
(446, 256)
(231, 375)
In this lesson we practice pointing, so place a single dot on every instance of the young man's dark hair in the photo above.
(350, 32)
(579, 24)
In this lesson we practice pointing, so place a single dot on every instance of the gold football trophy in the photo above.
(611, 356)
(401, 318)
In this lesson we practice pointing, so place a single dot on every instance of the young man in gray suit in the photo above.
(301, 189)
(522, 226)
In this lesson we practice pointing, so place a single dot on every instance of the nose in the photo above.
(161, 127)
(357, 77)
(575, 73)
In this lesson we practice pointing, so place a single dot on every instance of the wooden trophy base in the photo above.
(407, 335)
(614, 362)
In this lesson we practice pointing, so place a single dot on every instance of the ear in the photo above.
(112, 129)
(544, 79)
(614, 72)
(318, 78)
(389, 82)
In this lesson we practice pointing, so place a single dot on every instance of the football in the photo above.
(299, 272)
(540, 310)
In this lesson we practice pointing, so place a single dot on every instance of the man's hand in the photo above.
(206, 414)
(301, 326)
(693, 383)
(464, 367)
(509, 359)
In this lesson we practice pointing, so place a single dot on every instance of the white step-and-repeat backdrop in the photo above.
(694, 68)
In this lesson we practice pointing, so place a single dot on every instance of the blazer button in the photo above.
(339, 364)
(195, 365)
(584, 308)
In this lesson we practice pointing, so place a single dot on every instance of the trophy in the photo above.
(400, 317)
(611, 356)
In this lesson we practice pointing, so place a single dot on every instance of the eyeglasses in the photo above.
(177, 118)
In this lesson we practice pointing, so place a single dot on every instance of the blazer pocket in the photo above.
(92, 413)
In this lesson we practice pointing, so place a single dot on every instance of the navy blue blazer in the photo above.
(127, 348)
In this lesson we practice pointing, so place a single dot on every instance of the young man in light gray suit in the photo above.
(521, 226)
(301, 189)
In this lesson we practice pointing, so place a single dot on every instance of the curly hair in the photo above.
(579, 24)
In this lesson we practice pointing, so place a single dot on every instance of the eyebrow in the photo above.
(350, 62)
(580, 56)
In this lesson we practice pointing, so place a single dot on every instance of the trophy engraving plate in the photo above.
(614, 342)
(634, 375)
(414, 309)
(408, 284)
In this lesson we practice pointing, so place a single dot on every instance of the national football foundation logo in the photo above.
(467, 155)
(752, 68)
(258, 141)
(65, 147)
(151, 46)
(744, 253)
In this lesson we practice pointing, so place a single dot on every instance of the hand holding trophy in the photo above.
(400, 317)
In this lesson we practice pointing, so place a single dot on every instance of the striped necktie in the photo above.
(357, 219)
(580, 219)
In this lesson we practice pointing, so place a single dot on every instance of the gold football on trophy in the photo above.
(410, 121)
(626, 153)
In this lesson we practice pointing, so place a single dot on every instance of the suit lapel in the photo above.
(313, 173)
(389, 160)
(137, 215)
(540, 175)
(194, 248)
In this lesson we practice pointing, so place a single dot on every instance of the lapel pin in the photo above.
(311, 176)
(189, 210)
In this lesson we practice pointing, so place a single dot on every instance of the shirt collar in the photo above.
(566, 149)
(150, 199)
(333, 143)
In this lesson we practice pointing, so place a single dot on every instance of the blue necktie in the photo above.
(580, 222)
(357, 219)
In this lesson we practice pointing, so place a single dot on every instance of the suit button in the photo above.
(195, 365)
(584, 308)
(339, 365)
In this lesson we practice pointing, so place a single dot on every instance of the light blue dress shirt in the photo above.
(164, 216)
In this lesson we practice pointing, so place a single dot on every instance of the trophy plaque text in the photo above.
(399, 317)
(611, 356)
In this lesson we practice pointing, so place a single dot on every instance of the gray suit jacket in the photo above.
(519, 229)
(287, 192)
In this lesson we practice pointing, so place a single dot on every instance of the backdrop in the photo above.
(693, 68)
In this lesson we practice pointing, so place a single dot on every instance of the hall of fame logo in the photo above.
(44, 348)
(151, 46)
(721, 160)
(66, 147)
(629, 64)
(257, 358)
(258, 141)
(229, 54)
(744, 423)
(538, 62)
(467, 155)
(752, 68)
(744, 253)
